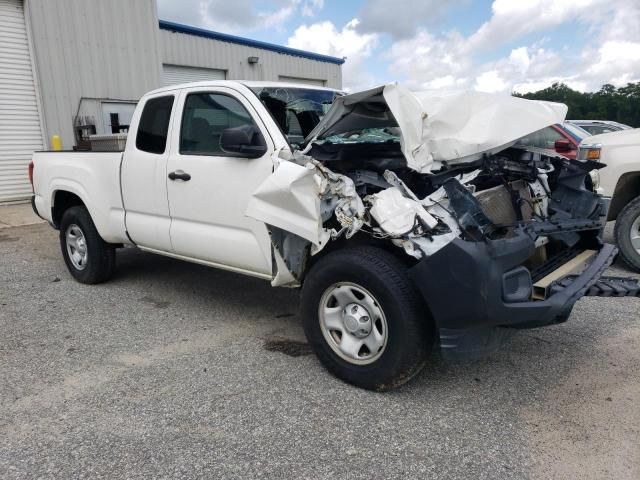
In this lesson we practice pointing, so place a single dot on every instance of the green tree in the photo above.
(609, 103)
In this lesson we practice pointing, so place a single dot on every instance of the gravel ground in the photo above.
(176, 370)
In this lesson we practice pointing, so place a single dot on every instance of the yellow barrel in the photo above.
(56, 143)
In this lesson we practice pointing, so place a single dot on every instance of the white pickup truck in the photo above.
(406, 220)
(620, 180)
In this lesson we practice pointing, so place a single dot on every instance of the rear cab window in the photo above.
(154, 125)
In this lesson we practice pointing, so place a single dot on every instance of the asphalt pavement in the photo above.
(175, 370)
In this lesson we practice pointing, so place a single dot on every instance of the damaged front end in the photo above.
(499, 238)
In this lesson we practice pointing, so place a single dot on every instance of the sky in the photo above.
(446, 45)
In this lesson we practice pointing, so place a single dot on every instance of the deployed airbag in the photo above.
(456, 128)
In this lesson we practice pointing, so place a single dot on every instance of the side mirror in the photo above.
(245, 141)
(563, 146)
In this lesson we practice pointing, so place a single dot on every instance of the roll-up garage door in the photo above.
(304, 81)
(20, 132)
(175, 74)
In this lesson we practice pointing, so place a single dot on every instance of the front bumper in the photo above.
(478, 292)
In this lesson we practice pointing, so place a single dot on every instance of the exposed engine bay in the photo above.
(513, 234)
(368, 191)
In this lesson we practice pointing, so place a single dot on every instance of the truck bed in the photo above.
(93, 176)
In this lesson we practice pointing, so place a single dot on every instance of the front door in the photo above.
(209, 190)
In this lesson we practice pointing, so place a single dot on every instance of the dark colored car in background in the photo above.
(563, 138)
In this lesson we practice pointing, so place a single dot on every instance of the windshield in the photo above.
(296, 110)
(578, 133)
(364, 135)
(598, 129)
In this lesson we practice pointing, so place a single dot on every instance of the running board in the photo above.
(604, 287)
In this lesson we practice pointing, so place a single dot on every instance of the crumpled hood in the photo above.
(455, 128)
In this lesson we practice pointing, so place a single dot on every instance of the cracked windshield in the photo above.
(296, 110)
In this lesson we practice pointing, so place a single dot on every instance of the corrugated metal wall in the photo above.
(20, 128)
(101, 49)
(174, 74)
(189, 50)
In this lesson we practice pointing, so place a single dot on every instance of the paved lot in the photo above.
(164, 372)
(17, 214)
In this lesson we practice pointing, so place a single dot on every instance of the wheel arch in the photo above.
(363, 240)
(627, 188)
(358, 240)
(61, 201)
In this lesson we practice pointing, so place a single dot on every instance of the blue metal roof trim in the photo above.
(224, 37)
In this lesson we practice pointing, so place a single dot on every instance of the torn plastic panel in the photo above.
(396, 214)
(290, 200)
(495, 198)
(294, 202)
(354, 181)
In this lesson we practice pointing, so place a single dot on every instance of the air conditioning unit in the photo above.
(108, 143)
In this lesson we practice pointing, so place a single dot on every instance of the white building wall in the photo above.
(93, 49)
(98, 50)
(194, 51)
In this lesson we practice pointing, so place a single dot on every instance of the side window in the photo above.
(550, 135)
(154, 125)
(532, 140)
(204, 118)
(544, 138)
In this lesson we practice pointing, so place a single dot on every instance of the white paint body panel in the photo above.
(92, 176)
(202, 220)
(396, 214)
(620, 152)
(289, 200)
(208, 212)
(144, 187)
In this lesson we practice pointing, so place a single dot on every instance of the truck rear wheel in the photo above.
(364, 318)
(627, 233)
(89, 259)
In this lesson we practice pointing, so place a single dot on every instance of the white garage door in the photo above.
(20, 132)
(305, 81)
(175, 74)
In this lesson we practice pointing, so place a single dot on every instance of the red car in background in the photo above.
(561, 138)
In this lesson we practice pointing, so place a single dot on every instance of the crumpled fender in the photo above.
(293, 202)
(289, 199)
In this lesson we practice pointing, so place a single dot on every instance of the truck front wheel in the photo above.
(364, 318)
(627, 233)
(89, 259)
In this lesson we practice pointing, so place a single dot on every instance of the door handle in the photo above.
(179, 175)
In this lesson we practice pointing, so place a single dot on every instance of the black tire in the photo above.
(410, 326)
(101, 257)
(622, 233)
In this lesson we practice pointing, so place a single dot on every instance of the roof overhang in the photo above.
(248, 42)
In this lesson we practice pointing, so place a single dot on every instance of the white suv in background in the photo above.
(596, 127)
